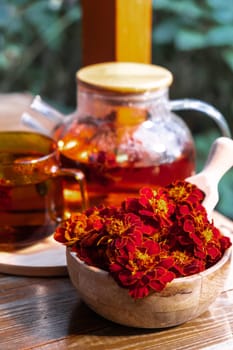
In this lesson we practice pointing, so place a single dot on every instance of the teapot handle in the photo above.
(207, 109)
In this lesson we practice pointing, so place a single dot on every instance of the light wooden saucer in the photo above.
(47, 258)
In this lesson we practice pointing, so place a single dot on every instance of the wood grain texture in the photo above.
(48, 314)
(44, 313)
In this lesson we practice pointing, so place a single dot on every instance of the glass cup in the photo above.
(32, 189)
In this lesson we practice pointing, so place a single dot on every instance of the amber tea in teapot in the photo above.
(124, 134)
(110, 177)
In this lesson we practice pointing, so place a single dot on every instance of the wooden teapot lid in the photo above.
(125, 77)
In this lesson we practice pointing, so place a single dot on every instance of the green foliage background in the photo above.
(194, 39)
(40, 51)
(40, 48)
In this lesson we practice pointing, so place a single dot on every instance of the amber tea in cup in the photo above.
(32, 189)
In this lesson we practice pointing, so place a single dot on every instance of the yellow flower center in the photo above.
(116, 227)
(178, 192)
(160, 206)
(143, 256)
(181, 257)
(208, 234)
(199, 219)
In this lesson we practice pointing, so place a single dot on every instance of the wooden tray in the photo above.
(46, 258)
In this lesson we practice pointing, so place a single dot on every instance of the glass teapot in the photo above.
(124, 134)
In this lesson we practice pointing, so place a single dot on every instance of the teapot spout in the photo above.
(51, 122)
(46, 110)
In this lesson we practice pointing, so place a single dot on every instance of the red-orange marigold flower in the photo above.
(141, 270)
(156, 205)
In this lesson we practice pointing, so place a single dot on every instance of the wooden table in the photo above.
(47, 313)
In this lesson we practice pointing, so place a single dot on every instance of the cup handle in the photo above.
(79, 177)
(205, 108)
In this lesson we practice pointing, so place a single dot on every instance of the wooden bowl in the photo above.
(183, 299)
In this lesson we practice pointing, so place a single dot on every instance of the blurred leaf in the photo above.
(4, 64)
(223, 16)
(165, 31)
(220, 36)
(225, 204)
(203, 142)
(187, 8)
(2, 41)
(12, 53)
(19, 3)
(189, 40)
(5, 14)
(55, 4)
(46, 24)
(228, 57)
(74, 14)
(220, 5)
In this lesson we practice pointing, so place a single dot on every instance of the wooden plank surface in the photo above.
(48, 314)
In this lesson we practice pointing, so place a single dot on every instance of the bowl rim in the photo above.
(225, 257)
